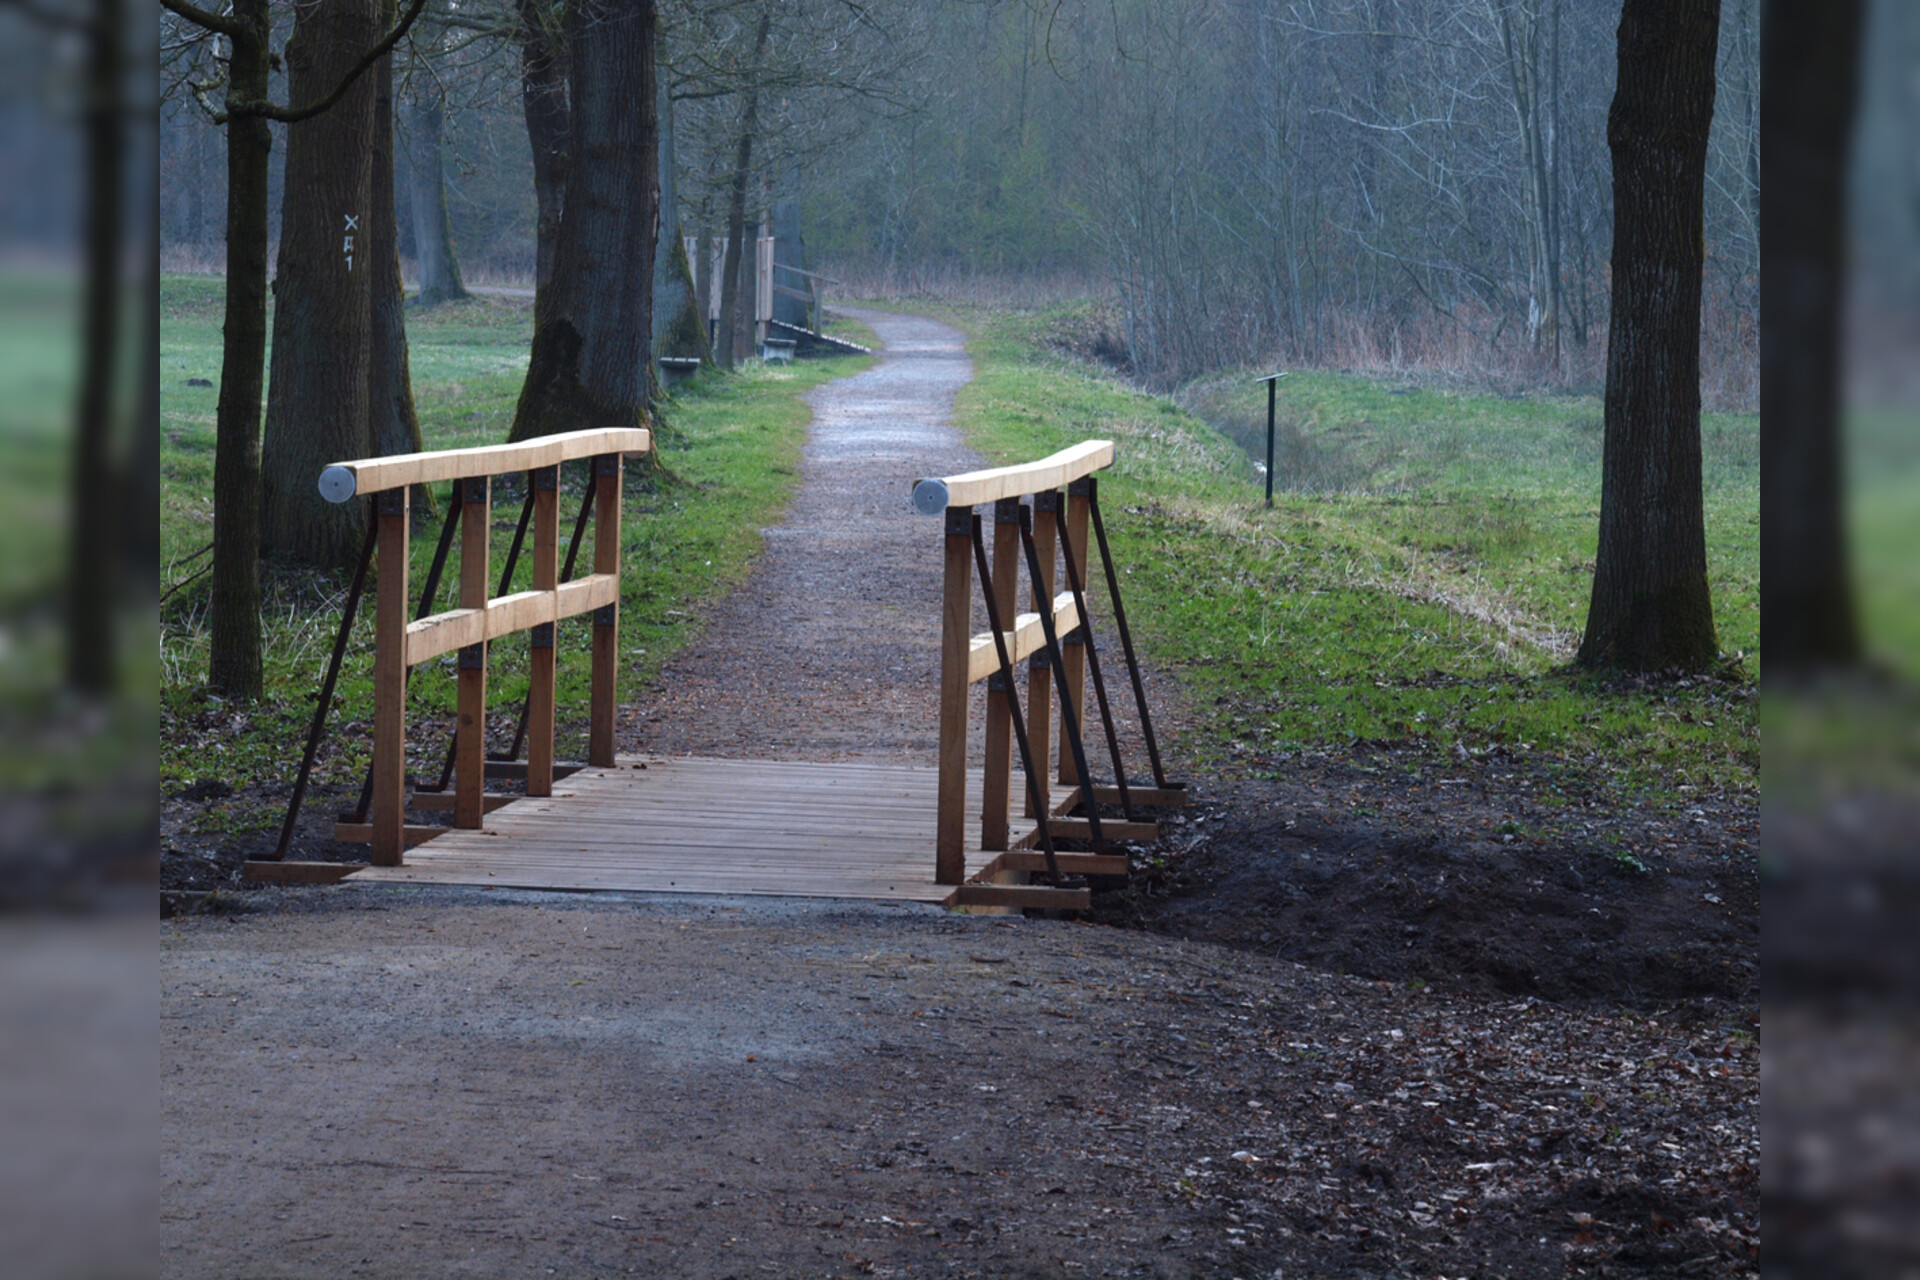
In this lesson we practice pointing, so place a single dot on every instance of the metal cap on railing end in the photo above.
(930, 497)
(337, 483)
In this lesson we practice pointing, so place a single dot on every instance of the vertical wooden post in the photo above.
(470, 762)
(1039, 670)
(606, 619)
(389, 808)
(956, 632)
(546, 576)
(999, 740)
(1073, 651)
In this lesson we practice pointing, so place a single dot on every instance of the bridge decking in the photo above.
(700, 825)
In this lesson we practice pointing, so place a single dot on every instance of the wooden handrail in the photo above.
(343, 480)
(483, 617)
(970, 489)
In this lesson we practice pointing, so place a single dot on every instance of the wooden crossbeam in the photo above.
(440, 633)
(439, 801)
(262, 872)
(1027, 638)
(362, 832)
(1150, 797)
(1110, 828)
(1072, 864)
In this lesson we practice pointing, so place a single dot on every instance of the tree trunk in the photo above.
(432, 227)
(91, 577)
(703, 279)
(729, 353)
(233, 665)
(1651, 608)
(592, 337)
(1809, 73)
(394, 426)
(322, 319)
(543, 90)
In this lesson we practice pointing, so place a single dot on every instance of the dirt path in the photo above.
(831, 649)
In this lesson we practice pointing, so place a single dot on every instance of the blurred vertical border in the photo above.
(1841, 753)
(78, 703)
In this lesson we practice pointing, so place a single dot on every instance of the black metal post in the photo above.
(566, 575)
(427, 594)
(1272, 384)
(1126, 638)
(326, 691)
(1036, 789)
(1093, 654)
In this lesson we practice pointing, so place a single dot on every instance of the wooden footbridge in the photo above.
(693, 825)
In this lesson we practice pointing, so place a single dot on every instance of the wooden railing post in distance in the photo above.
(546, 575)
(995, 785)
(1073, 650)
(388, 814)
(956, 634)
(604, 701)
(470, 765)
(1039, 670)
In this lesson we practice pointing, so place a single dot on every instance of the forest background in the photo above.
(1363, 184)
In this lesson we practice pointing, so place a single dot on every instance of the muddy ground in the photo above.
(1386, 1017)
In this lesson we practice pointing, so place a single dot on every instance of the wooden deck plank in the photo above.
(853, 829)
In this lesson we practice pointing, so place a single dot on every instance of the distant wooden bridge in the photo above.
(698, 825)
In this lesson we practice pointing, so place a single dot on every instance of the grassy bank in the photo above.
(1418, 584)
(729, 450)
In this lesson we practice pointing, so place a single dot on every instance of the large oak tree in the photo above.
(592, 336)
(1651, 609)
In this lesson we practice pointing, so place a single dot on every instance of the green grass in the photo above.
(728, 462)
(1419, 583)
(1884, 525)
(1861, 733)
(38, 359)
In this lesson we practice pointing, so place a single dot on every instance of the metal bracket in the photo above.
(1081, 487)
(607, 615)
(546, 479)
(1038, 661)
(473, 657)
(478, 489)
(606, 464)
(391, 502)
(1049, 500)
(1007, 510)
(542, 637)
(959, 522)
(996, 683)
(1072, 637)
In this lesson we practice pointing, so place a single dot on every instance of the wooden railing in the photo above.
(966, 658)
(481, 618)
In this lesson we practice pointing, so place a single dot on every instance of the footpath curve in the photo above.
(831, 648)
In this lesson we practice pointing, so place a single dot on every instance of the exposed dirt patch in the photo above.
(1463, 877)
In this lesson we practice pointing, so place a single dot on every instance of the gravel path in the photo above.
(831, 649)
